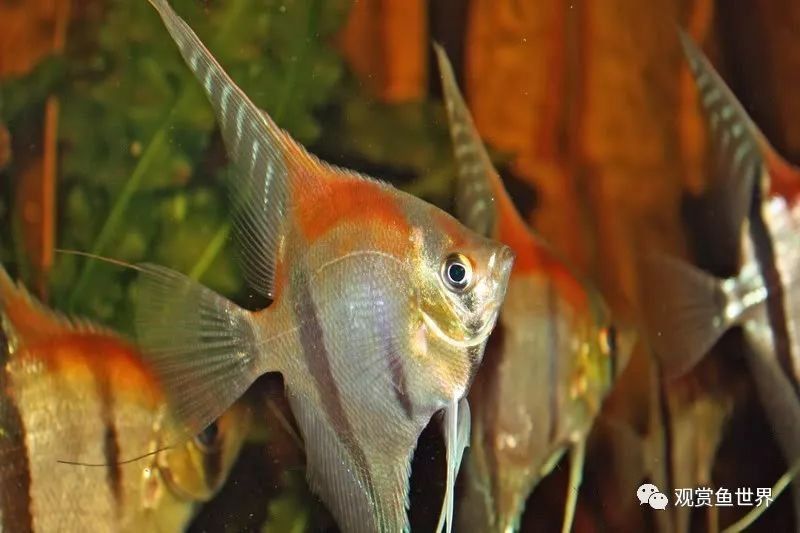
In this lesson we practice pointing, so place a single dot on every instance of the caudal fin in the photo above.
(686, 312)
(201, 346)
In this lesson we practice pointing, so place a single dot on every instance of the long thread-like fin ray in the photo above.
(479, 182)
(259, 149)
(199, 345)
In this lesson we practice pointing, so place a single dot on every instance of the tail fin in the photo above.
(686, 312)
(201, 347)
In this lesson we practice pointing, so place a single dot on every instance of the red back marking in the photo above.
(353, 201)
(532, 257)
(784, 177)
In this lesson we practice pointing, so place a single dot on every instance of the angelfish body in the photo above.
(551, 361)
(758, 195)
(74, 394)
(382, 305)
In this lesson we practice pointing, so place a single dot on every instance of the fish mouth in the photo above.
(477, 338)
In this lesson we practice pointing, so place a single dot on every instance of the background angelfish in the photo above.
(756, 197)
(71, 393)
(550, 363)
(381, 307)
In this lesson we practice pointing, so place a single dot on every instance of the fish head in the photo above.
(196, 469)
(461, 280)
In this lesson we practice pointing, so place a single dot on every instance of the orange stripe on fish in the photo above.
(349, 201)
(31, 320)
(75, 354)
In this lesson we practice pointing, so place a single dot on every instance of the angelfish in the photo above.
(381, 307)
(757, 193)
(549, 365)
(77, 408)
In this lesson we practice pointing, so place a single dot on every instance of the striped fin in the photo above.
(261, 152)
(200, 346)
(478, 180)
(740, 146)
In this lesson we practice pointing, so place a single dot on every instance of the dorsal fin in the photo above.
(31, 320)
(482, 202)
(743, 152)
(265, 157)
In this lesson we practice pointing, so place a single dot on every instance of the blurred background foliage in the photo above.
(140, 160)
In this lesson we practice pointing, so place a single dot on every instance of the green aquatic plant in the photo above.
(140, 174)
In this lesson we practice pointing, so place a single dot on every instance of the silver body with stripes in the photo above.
(370, 340)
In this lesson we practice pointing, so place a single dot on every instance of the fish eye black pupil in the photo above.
(208, 436)
(457, 273)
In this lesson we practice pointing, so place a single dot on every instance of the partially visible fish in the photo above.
(549, 365)
(76, 404)
(5, 146)
(381, 307)
(757, 193)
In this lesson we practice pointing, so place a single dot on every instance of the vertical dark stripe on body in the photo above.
(399, 378)
(317, 359)
(553, 358)
(111, 452)
(395, 367)
(15, 473)
(776, 309)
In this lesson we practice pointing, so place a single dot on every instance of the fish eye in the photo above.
(208, 439)
(457, 272)
(608, 340)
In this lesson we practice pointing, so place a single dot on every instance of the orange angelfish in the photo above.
(551, 362)
(381, 307)
(76, 405)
